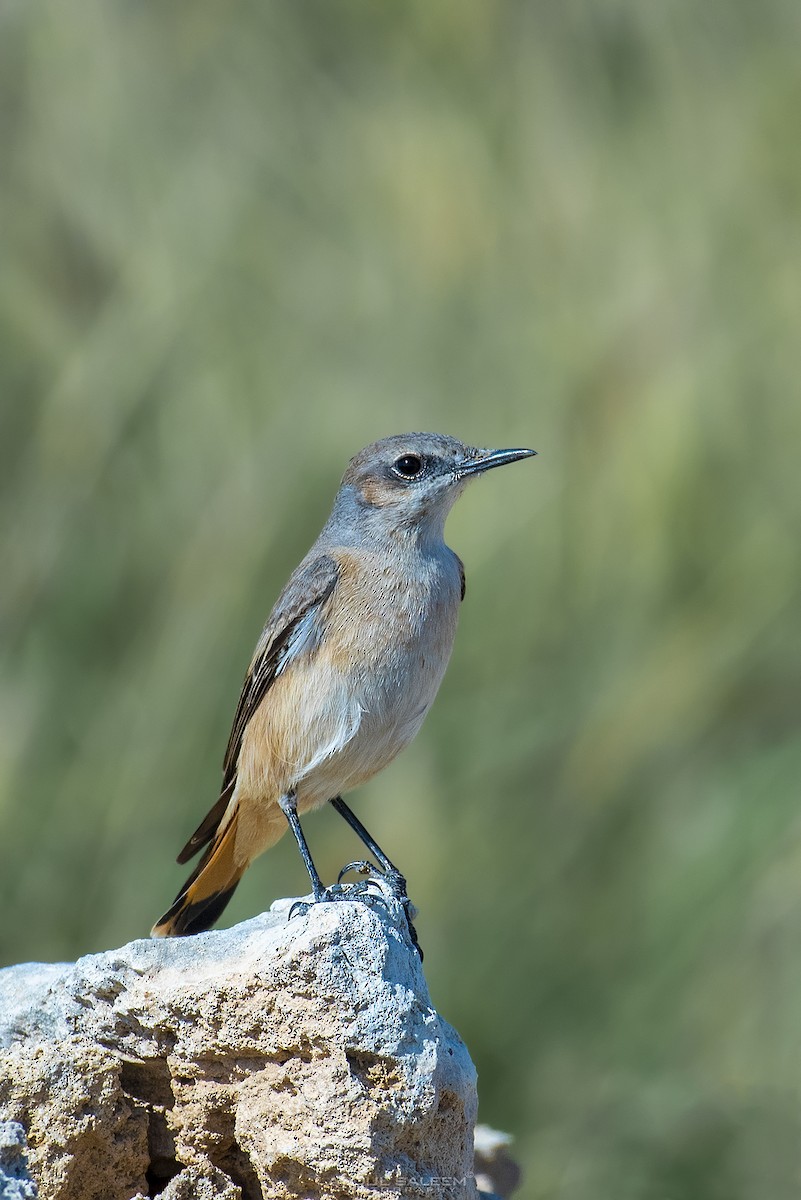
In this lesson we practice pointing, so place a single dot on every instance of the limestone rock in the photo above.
(15, 1180)
(278, 1059)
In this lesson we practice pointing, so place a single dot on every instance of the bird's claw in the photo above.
(337, 891)
(299, 908)
(360, 865)
(391, 878)
(361, 891)
(394, 882)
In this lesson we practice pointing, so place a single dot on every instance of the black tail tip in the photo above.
(183, 919)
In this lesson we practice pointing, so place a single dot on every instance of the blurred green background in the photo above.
(240, 241)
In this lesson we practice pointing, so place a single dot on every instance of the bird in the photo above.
(344, 673)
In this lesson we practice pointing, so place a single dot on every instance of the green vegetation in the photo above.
(240, 241)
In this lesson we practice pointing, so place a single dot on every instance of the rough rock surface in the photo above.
(278, 1059)
(15, 1179)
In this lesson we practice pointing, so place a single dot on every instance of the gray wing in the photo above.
(290, 629)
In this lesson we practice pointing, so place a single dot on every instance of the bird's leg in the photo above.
(359, 891)
(395, 880)
(289, 807)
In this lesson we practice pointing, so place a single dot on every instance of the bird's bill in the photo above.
(490, 459)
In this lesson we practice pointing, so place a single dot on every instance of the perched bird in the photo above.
(345, 670)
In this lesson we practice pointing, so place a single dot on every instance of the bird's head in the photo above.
(411, 480)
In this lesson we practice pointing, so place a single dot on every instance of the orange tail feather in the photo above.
(207, 890)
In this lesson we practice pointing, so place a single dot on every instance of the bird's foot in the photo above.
(337, 891)
(362, 867)
(367, 890)
(390, 878)
(395, 883)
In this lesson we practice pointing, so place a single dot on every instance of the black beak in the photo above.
(491, 458)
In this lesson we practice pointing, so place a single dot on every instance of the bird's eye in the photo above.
(408, 465)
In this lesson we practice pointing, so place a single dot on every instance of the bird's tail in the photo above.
(207, 890)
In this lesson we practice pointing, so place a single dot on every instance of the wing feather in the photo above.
(290, 629)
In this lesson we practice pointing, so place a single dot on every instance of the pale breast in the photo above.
(391, 639)
(339, 713)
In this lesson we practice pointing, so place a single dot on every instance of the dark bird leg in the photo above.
(322, 894)
(372, 845)
(395, 880)
(289, 807)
